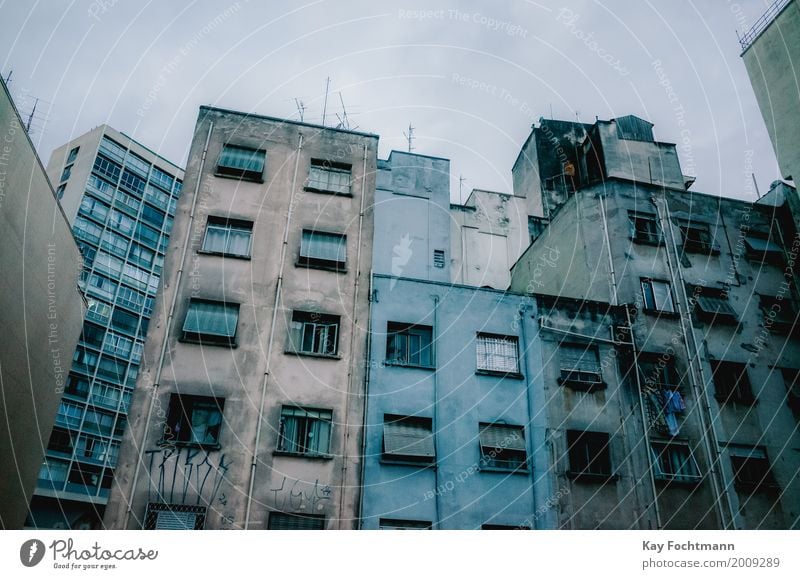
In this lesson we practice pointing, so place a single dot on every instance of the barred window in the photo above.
(580, 366)
(289, 522)
(497, 354)
(163, 517)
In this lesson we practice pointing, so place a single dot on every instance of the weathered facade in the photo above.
(41, 311)
(249, 411)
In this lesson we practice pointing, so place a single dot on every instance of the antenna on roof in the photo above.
(410, 137)
(325, 102)
(755, 184)
(461, 180)
(30, 116)
(301, 108)
(8, 78)
(344, 122)
(551, 111)
(578, 116)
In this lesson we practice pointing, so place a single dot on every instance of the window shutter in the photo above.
(503, 437)
(285, 522)
(580, 358)
(408, 438)
(172, 521)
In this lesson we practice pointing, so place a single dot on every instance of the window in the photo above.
(107, 169)
(229, 237)
(589, 454)
(697, 238)
(497, 354)
(657, 296)
(162, 517)
(193, 420)
(751, 468)
(712, 305)
(114, 243)
(408, 439)
(674, 462)
(328, 177)
(502, 447)
(112, 149)
(780, 314)
(305, 431)
(287, 522)
(731, 383)
(318, 248)
(241, 162)
(61, 441)
(136, 163)
(66, 173)
(141, 256)
(87, 230)
(409, 345)
(580, 367)
(60, 191)
(91, 207)
(403, 525)
(73, 154)
(162, 179)
(132, 183)
(657, 371)
(211, 322)
(791, 379)
(495, 527)
(762, 250)
(438, 258)
(153, 216)
(314, 333)
(644, 227)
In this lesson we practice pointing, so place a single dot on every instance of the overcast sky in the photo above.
(471, 77)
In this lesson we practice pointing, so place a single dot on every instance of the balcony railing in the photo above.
(747, 39)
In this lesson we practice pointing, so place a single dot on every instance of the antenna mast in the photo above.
(30, 116)
(410, 137)
(301, 108)
(325, 102)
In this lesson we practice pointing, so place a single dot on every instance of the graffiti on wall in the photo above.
(185, 475)
(293, 495)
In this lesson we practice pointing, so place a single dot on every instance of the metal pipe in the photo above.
(168, 324)
(365, 402)
(612, 273)
(529, 398)
(270, 342)
(436, 435)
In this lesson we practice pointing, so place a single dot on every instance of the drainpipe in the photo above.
(168, 326)
(365, 402)
(523, 308)
(709, 430)
(436, 435)
(276, 304)
(352, 369)
(612, 273)
(645, 426)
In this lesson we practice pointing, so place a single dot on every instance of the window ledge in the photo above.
(313, 355)
(592, 477)
(200, 342)
(501, 470)
(239, 178)
(302, 455)
(164, 443)
(402, 365)
(222, 254)
(333, 268)
(667, 481)
(326, 192)
(499, 374)
(661, 313)
(582, 386)
(411, 463)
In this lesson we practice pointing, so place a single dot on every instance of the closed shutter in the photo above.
(715, 305)
(286, 522)
(503, 437)
(172, 521)
(580, 358)
(409, 437)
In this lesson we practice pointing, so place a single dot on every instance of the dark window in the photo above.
(287, 522)
(697, 238)
(122, 320)
(762, 250)
(644, 227)
(61, 441)
(408, 438)
(85, 475)
(108, 169)
(403, 525)
(712, 305)
(60, 191)
(230, 237)
(132, 183)
(162, 517)
(580, 366)
(674, 462)
(438, 258)
(211, 322)
(731, 383)
(322, 249)
(780, 314)
(314, 333)
(153, 216)
(657, 372)
(657, 296)
(497, 354)
(502, 447)
(791, 379)
(329, 177)
(194, 420)
(73, 154)
(66, 173)
(409, 345)
(241, 162)
(589, 454)
(751, 468)
(305, 431)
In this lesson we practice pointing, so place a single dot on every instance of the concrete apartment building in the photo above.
(248, 412)
(120, 198)
(40, 308)
(711, 289)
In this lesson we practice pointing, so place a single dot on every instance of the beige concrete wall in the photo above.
(290, 484)
(41, 312)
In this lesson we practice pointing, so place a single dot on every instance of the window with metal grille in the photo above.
(589, 454)
(329, 177)
(502, 447)
(697, 238)
(580, 366)
(194, 420)
(497, 354)
(731, 383)
(305, 431)
(314, 333)
(644, 227)
(163, 517)
(657, 372)
(241, 162)
(288, 522)
(408, 438)
(751, 468)
(712, 305)
(674, 461)
(210, 322)
(657, 296)
(762, 250)
(409, 344)
(438, 258)
(403, 525)
(323, 249)
(229, 237)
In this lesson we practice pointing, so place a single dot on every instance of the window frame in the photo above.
(329, 167)
(181, 410)
(396, 329)
(574, 377)
(307, 422)
(671, 477)
(739, 393)
(241, 174)
(645, 237)
(227, 225)
(691, 242)
(150, 522)
(424, 424)
(516, 373)
(739, 465)
(649, 283)
(724, 314)
(585, 442)
(295, 341)
(206, 338)
(305, 259)
(502, 458)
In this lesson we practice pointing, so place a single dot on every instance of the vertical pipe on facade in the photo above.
(645, 425)
(352, 368)
(607, 238)
(168, 324)
(435, 346)
(271, 340)
(711, 446)
(529, 396)
(365, 402)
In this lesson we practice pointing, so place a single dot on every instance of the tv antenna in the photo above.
(344, 122)
(301, 108)
(8, 76)
(30, 116)
(461, 180)
(410, 137)
(325, 102)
